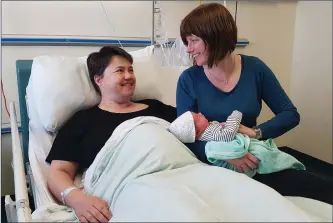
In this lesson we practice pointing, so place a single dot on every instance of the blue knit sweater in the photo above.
(257, 83)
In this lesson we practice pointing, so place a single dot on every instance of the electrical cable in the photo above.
(110, 22)
(4, 99)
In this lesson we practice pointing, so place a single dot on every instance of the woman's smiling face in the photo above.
(198, 49)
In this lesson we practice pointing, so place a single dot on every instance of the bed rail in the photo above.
(23, 211)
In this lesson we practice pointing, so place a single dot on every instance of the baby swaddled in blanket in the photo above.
(225, 143)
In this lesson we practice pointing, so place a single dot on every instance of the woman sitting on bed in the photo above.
(81, 138)
(223, 81)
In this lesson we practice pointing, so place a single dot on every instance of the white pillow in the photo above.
(60, 86)
(143, 54)
(167, 83)
(155, 81)
(146, 74)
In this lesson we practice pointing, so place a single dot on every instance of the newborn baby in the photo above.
(192, 126)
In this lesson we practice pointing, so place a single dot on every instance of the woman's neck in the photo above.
(112, 105)
(224, 68)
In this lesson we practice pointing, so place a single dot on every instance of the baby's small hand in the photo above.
(247, 131)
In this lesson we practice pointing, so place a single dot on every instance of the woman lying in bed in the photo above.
(81, 138)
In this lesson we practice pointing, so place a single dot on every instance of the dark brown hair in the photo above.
(214, 24)
(97, 62)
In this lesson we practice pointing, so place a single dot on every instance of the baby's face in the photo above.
(200, 123)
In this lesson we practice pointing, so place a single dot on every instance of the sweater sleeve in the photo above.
(185, 95)
(286, 114)
(215, 132)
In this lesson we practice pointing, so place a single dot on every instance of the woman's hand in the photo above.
(246, 163)
(89, 208)
(247, 131)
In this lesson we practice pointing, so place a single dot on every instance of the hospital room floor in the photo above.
(312, 164)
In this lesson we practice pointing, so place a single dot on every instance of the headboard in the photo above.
(23, 71)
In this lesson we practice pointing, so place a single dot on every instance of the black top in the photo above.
(84, 135)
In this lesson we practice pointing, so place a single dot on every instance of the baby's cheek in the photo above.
(201, 127)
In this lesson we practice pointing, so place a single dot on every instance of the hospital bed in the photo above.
(29, 153)
(31, 148)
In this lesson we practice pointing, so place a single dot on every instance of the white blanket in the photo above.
(146, 174)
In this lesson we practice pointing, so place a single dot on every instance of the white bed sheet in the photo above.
(40, 142)
(321, 210)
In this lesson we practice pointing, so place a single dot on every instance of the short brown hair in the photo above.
(214, 24)
(97, 62)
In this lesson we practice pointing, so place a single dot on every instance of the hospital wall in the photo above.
(269, 26)
(311, 79)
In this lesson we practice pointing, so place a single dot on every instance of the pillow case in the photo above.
(60, 87)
